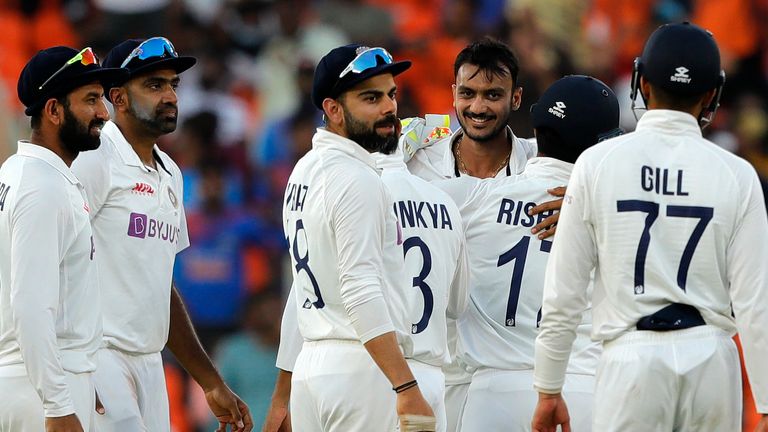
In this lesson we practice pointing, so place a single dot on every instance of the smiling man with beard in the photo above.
(50, 330)
(138, 219)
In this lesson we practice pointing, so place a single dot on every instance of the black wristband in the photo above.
(403, 387)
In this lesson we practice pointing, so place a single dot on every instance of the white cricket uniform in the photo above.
(50, 317)
(497, 333)
(662, 216)
(139, 226)
(434, 160)
(347, 269)
(436, 263)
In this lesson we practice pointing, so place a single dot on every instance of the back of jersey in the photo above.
(663, 206)
(435, 259)
(507, 267)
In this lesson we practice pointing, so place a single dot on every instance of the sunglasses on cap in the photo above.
(153, 47)
(366, 60)
(86, 57)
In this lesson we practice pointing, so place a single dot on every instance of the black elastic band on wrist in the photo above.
(403, 387)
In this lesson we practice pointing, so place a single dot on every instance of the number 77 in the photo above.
(704, 214)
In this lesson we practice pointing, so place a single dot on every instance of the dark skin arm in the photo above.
(278, 416)
(228, 408)
(547, 227)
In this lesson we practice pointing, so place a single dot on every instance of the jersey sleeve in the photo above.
(573, 256)
(748, 276)
(459, 296)
(36, 251)
(92, 168)
(358, 216)
(291, 340)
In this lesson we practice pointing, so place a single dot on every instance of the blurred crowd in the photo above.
(246, 116)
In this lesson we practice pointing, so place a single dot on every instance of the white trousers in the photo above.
(432, 386)
(684, 380)
(132, 390)
(455, 398)
(337, 387)
(21, 409)
(504, 401)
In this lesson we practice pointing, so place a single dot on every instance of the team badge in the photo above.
(172, 197)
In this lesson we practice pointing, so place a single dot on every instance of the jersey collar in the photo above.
(29, 149)
(517, 159)
(127, 154)
(323, 138)
(669, 121)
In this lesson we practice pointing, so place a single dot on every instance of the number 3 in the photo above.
(419, 282)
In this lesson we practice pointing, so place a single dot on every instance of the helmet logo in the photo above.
(681, 75)
(558, 110)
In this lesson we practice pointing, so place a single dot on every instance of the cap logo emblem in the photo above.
(558, 110)
(361, 49)
(681, 75)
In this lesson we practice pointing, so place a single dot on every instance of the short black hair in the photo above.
(675, 101)
(36, 120)
(551, 144)
(491, 56)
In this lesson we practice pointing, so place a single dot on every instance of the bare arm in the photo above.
(183, 342)
(278, 416)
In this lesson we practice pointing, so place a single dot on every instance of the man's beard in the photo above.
(367, 138)
(154, 121)
(75, 136)
(500, 127)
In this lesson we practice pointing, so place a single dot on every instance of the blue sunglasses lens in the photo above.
(366, 60)
(154, 47)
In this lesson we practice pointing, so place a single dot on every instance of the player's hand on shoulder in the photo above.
(550, 412)
(548, 226)
(418, 133)
(67, 423)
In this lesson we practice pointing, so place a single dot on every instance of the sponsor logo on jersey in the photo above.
(141, 226)
(143, 189)
(681, 75)
(172, 197)
(558, 110)
(86, 208)
(437, 133)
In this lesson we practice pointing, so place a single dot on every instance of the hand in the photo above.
(547, 227)
(68, 423)
(99, 406)
(412, 403)
(550, 412)
(762, 425)
(278, 419)
(228, 409)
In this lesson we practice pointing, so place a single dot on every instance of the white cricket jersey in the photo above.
(663, 216)
(138, 226)
(344, 244)
(507, 266)
(436, 161)
(435, 257)
(50, 316)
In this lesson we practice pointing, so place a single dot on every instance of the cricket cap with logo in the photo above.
(56, 71)
(581, 109)
(681, 58)
(345, 67)
(139, 56)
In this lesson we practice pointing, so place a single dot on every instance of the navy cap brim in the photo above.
(395, 69)
(178, 64)
(105, 76)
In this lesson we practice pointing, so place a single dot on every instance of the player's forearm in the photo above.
(386, 353)
(184, 344)
(282, 394)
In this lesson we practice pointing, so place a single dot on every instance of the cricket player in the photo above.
(497, 334)
(50, 316)
(135, 191)
(676, 232)
(347, 258)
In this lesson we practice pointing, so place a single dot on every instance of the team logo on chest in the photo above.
(172, 197)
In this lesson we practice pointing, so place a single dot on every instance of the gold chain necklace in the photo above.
(463, 168)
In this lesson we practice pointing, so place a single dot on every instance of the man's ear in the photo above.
(334, 111)
(517, 98)
(53, 111)
(118, 97)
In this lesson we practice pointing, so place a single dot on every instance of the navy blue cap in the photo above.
(581, 109)
(327, 83)
(681, 59)
(137, 66)
(43, 65)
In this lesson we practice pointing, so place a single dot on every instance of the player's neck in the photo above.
(482, 159)
(143, 143)
(52, 143)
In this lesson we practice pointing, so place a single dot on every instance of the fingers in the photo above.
(558, 191)
(566, 426)
(222, 427)
(547, 227)
(247, 419)
(99, 406)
